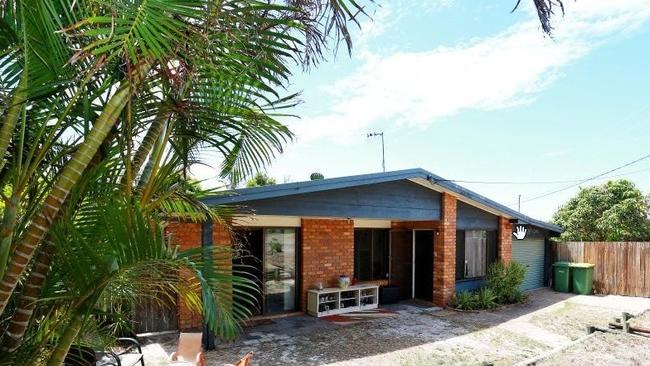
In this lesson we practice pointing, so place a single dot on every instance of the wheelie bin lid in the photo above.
(582, 265)
(562, 264)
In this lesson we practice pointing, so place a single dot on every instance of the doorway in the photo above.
(248, 244)
(269, 258)
(423, 264)
(401, 262)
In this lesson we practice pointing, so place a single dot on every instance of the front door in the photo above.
(423, 265)
(401, 262)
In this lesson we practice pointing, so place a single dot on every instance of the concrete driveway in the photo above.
(420, 335)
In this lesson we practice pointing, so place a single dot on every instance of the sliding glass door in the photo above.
(279, 270)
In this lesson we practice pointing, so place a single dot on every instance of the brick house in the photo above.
(410, 230)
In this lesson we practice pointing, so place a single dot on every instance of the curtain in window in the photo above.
(475, 253)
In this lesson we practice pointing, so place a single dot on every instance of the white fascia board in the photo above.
(266, 221)
(437, 188)
(294, 221)
(372, 224)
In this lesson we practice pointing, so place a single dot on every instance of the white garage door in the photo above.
(531, 254)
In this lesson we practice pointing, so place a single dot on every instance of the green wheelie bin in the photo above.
(562, 276)
(582, 275)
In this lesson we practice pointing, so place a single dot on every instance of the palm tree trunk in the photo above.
(71, 173)
(153, 161)
(6, 234)
(33, 287)
(66, 340)
(27, 300)
(13, 113)
(156, 128)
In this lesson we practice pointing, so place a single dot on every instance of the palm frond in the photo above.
(545, 11)
(137, 30)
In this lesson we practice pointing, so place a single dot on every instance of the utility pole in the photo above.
(383, 157)
(519, 204)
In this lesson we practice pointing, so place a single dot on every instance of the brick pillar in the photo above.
(189, 235)
(327, 253)
(444, 254)
(221, 236)
(186, 235)
(505, 239)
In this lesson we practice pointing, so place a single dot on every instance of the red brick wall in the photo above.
(444, 254)
(505, 239)
(186, 235)
(327, 253)
(189, 235)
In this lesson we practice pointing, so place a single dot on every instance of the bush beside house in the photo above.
(502, 287)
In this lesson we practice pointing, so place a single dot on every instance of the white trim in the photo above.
(437, 188)
(413, 264)
(294, 221)
(369, 223)
(267, 221)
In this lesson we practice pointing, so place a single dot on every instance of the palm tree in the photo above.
(88, 86)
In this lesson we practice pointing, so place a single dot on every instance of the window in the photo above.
(279, 270)
(475, 251)
(370, 254)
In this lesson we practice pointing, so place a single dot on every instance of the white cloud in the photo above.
(386, 16)
(507, 69)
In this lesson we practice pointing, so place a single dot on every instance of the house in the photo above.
(410, 229)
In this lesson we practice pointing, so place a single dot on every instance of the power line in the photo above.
(587, 179)
(502, 182)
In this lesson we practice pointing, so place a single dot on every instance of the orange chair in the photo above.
(190, 350)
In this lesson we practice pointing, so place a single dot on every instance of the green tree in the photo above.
(316, 176)
(260, 179)
(614, 211)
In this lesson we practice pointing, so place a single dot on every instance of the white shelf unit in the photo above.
(332, 301)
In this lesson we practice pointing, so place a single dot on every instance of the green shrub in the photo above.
(504, 280)
(486, 298)
(502, 287)
(482, 299)
(466, 300)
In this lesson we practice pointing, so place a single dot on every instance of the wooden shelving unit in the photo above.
(332, 301)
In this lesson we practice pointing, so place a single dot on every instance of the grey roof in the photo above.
(243, 195)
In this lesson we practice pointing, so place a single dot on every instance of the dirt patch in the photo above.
(642, 321)
(386, 337)
(420, 336)
(571, 320)
(605, 349)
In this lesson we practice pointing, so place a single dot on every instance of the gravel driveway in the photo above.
(420, 335)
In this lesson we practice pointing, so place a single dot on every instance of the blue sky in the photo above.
(469, 91)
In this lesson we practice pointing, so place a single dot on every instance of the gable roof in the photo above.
(419, 176)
